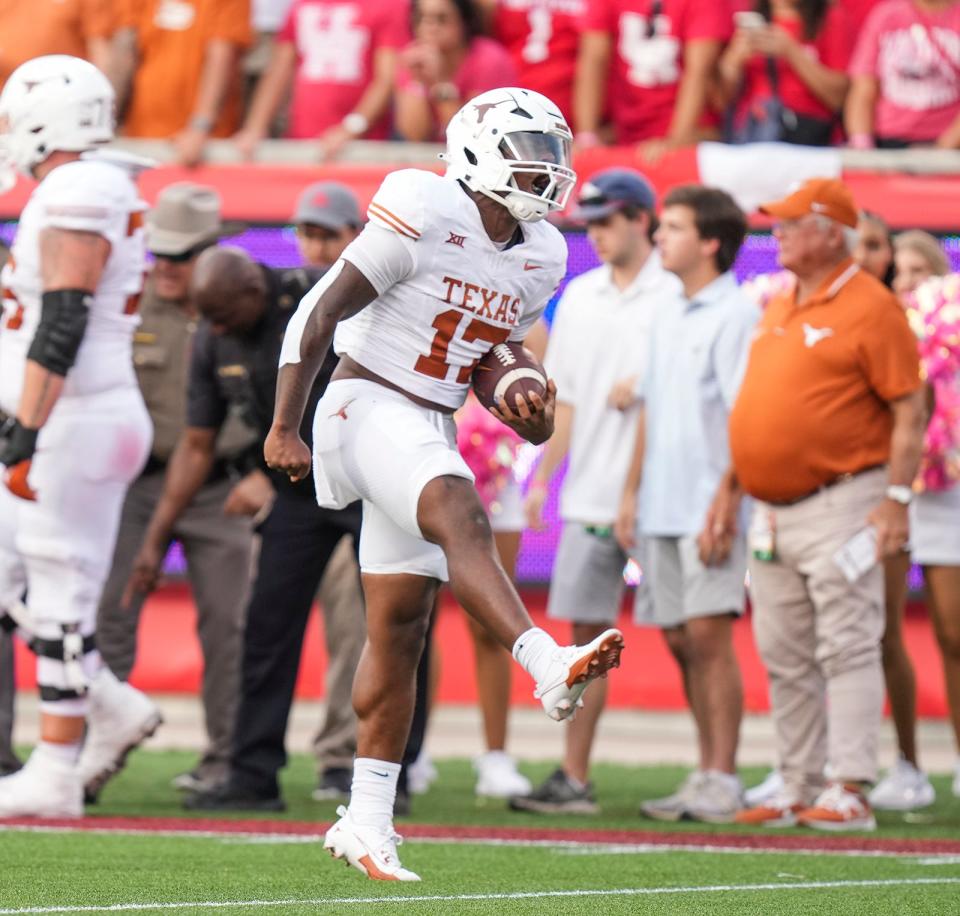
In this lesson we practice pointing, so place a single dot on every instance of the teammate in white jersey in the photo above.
(446, 268)
(76, 429)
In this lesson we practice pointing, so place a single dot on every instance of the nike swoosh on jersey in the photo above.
(528, 266)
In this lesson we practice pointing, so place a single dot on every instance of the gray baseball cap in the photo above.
(185, 215)
(328, 204)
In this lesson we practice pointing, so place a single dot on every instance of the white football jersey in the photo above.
(462, 295)
(96, 195)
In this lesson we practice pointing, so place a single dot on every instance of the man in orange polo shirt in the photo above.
(826, 436)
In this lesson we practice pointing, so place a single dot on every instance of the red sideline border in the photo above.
(779, 842)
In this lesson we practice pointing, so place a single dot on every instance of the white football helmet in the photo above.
(513, 145)
(50, 103)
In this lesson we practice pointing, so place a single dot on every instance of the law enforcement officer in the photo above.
(214, 530)
(235, 360)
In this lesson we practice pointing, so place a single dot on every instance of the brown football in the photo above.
(506, 371)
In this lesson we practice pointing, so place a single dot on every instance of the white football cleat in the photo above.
(372, 851)
(571, 670)
(120, 718)
(498, 777)
(43, 787)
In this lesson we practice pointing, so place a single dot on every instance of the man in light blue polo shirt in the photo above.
(693, 554)
(597, 351)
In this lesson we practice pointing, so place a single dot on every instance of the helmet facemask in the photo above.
(537, 172)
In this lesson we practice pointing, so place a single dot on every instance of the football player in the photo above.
(76, 430)
(446, 268)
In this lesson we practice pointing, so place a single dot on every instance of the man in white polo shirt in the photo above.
(596, 353)
(694, 545)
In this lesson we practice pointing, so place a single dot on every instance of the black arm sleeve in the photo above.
(63, 322)
(206, 405)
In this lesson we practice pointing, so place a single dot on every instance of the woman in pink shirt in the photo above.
(447, 64)
(906, 76)
(785, 71)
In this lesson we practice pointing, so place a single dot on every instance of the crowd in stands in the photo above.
(659, 73)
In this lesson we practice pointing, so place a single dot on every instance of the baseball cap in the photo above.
(825, 196)
(328, 204)
(185, 215)
(611, 190)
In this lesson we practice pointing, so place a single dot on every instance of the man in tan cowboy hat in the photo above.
(215, 531)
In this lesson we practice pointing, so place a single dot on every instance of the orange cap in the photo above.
(825, 196)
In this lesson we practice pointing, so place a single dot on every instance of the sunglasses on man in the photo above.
(183, 256)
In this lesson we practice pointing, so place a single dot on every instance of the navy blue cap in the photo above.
(611, 190)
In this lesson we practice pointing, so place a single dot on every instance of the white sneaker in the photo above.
(498, 777)
(421, 774)
(903, 788)
(717, 799)
(676, 806)
(571, 670)
(43, 787)
(839, 807)
(771, 786)
(371, 851)
(119, 719)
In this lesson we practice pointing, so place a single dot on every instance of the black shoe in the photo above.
(230, 797)
(557, 795)
(9, 768)
(401, 805)
(335, 784)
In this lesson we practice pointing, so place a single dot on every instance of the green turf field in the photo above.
(52, 871)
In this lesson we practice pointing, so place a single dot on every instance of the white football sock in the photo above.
(373, 792)
(65, 753)
(533, 651)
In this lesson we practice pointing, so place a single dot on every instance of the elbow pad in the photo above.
(63, 321)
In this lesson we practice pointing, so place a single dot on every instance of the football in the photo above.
(506, 371)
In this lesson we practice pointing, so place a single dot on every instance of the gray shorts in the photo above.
(587, 583)
(682, 588)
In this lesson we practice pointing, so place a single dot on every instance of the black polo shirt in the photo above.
(238, 372)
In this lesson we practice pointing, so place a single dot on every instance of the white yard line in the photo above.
(466, 898)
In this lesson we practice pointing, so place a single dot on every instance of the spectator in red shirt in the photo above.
(447, 63)
(786, 71)
(857, 10)
(906, 76)
(341, 56)
(653, 61)
(542, 37)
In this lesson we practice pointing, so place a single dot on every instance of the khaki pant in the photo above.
(819, 637)
(345, 631)
(218, 549)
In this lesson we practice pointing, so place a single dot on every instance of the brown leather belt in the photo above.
(841, 478)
